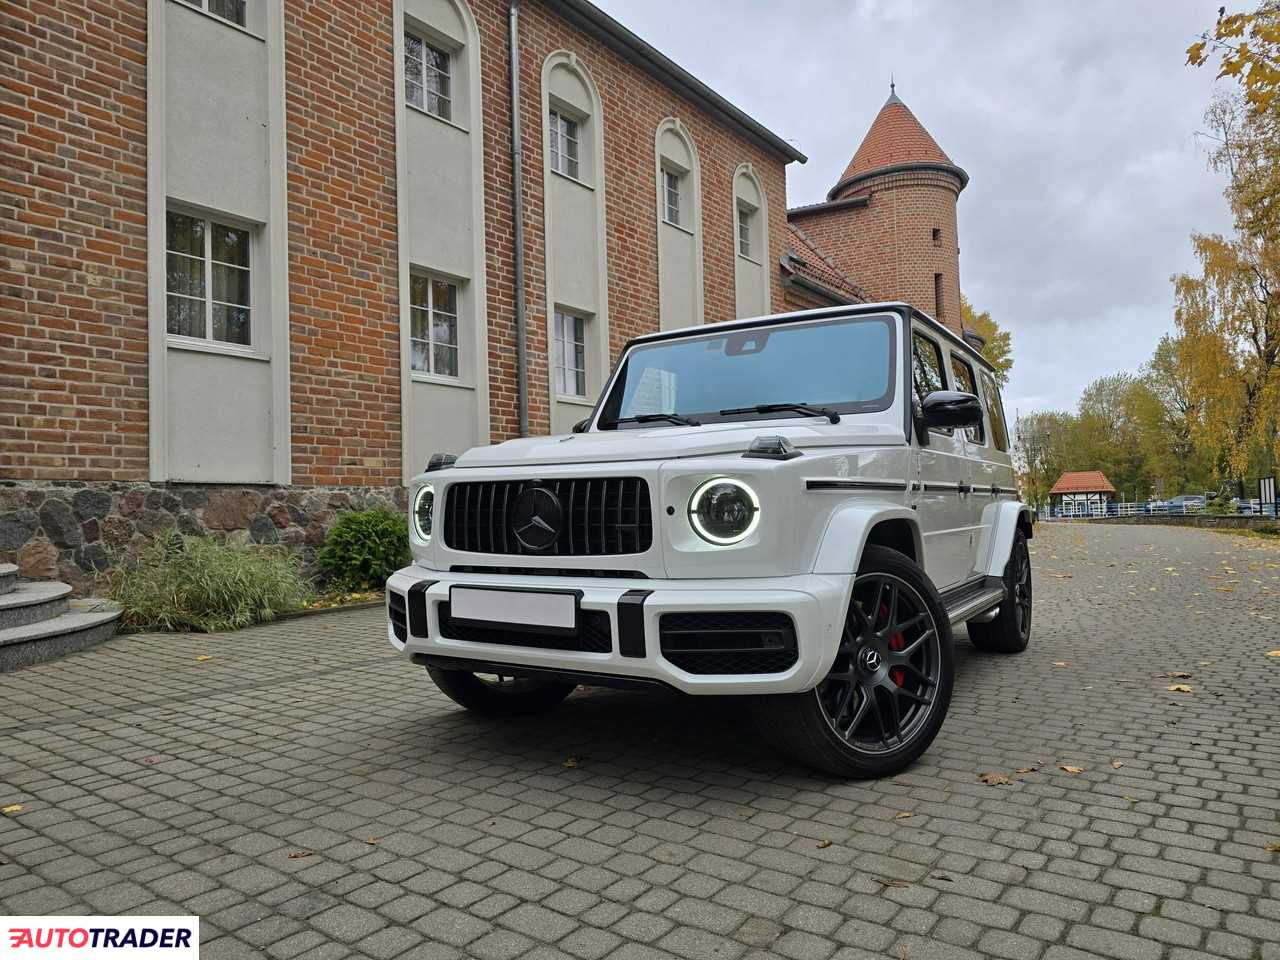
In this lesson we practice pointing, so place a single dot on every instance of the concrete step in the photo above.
(32, 602)
(85, 624)
(8, 577)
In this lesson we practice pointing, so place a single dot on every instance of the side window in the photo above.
(926, 366)
(966, 384)
(995, 412)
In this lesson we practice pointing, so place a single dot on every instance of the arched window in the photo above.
(577, 311)
(751, 243)
(679, 213)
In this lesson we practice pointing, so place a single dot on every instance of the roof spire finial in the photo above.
(891, 85)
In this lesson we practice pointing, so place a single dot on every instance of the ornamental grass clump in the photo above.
(194, 583)
(364, 548)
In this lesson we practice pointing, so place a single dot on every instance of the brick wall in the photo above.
(73, 270)
(887, 246)
(343, 265)
(634, 103)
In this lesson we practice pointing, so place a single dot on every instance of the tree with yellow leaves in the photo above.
(1248, 48)
(1228, 315)
(998, 349)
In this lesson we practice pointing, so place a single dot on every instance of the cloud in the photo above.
(1075, 122)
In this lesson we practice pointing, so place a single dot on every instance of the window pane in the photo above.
(230, 284)
(580, 388)
(184, 234)
(965, 383)
(230, 245)
(446, 359)
(231, 324)
(232, 10)
(419, 324)
(413, 93)
(444, 329)
(184, 275)
(185, 317)
(927, 365)
(420, 350)
(444, 297)
(418, 285)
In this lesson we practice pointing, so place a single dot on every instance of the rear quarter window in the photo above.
(966, 383)
(995, 412)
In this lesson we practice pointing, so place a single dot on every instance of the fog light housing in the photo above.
(724, 511)
(422, 511)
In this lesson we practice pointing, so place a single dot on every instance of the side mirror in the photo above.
(581, 426)
(948, 409)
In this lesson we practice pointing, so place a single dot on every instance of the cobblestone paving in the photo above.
(309, 794)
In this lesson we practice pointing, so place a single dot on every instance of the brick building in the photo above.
(261, 259)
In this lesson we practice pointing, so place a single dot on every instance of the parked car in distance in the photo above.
(1186, 503)
(795, 508)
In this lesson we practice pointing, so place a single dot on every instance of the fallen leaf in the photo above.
(1070, 769)
(1177, 675)
(371, 841)
(1272, 848)
(11, 809)
(823, 844)
(301, 854)
(1180, 688)
(203, 658)
(570, 763)
(889, 882)
(1117, 764)
(1026, 770)
(941, 876)
(1206, 663)
(903, 815)
(1273, 653)
(994, 779)
(152, 759)
(1131, 799)
(1059, 663)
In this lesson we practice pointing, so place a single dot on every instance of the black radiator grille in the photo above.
(594, 633)
(602, 516)
(745, 641)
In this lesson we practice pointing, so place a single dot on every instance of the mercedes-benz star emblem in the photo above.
(870, 660)
(536, 517)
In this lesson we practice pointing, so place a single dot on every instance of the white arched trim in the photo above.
(762, 255)
(676, 127)
(597, 347)
(478, 341)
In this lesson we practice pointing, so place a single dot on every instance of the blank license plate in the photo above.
(531, 608)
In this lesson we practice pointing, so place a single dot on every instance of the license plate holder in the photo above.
(532, 609)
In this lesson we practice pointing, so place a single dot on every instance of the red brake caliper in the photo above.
(897, 642)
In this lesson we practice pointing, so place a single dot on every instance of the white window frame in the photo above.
(565, 130)
(208, 341)
(430, 311)
(745, 216)
(430, 69)
(566, 340)
(672, 195)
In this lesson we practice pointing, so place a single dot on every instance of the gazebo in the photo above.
(1082, 493)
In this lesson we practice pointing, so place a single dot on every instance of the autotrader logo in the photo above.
(89, 938)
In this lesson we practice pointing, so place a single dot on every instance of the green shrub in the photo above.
(194, 583)
(364, 548)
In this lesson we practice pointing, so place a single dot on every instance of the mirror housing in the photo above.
(950, 409)
(581, 426)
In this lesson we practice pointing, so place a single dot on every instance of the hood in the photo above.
(673, 442)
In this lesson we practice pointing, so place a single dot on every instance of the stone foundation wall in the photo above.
(69, 530)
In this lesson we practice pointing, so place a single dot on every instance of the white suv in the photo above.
(796, 508)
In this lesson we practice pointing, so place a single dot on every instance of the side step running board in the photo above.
(971, 606)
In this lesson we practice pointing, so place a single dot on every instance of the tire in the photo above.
(504, 696)
(1010, 631)
(907, 681)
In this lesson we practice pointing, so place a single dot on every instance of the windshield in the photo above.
(844, 364)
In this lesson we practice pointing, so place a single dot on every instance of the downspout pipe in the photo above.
(517, 211)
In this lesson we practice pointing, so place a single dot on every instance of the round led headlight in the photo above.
(724, 511)
(424, 502)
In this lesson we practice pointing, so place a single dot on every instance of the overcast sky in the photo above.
(1076, 123)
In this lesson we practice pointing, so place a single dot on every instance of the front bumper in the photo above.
(816, 604)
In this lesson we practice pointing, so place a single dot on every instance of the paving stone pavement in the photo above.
(309, 794)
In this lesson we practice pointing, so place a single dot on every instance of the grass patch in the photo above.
(193, 583)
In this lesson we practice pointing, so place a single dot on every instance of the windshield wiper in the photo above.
(827, 412)
(656, 418)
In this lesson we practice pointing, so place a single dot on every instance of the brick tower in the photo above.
(890, 221)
